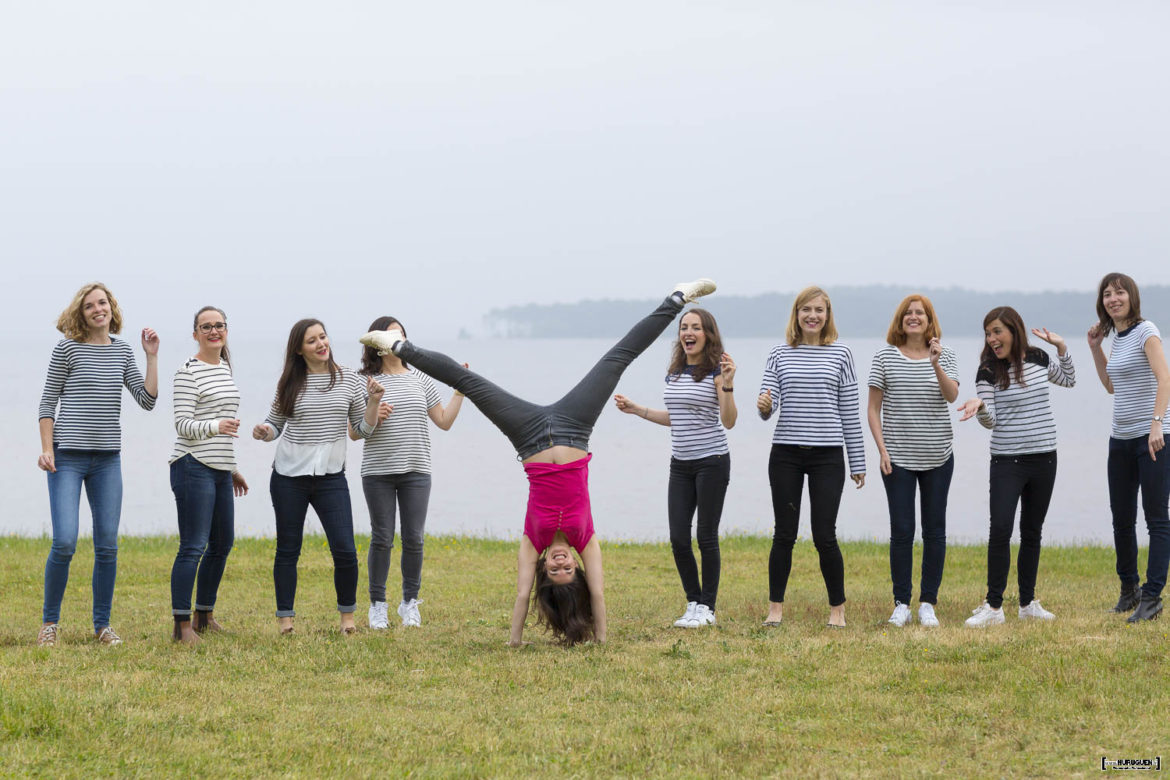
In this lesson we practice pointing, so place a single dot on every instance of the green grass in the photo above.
(451, 700)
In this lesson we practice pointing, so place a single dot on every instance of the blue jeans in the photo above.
(328, 494)
(1129, 469)
(933, 486)
(206, 504)
(101, 473)
(385, 493)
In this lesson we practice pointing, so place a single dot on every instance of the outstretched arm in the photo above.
(525, 574)
(591, 557)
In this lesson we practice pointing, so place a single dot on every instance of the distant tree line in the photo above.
(860, 312)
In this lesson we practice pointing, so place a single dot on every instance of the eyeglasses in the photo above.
(207, 327)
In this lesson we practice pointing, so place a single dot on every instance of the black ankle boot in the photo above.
(1148, 609)
(1131, 596)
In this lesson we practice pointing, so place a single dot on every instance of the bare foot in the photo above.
(837, 616)
(286, 625)
(775, 613)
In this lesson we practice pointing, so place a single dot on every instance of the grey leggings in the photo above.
(384, 492)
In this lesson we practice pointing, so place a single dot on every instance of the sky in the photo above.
(437, 160)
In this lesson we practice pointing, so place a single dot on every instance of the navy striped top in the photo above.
(1020, 417)
(1135, 388)
(695, 428)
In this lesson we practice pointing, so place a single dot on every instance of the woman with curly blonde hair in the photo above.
(81, 441)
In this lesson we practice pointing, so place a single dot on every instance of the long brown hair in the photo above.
(72, 320)
(227, 358)
(712, 349)
(566, 610)
(371, 360)
(1015, 360)
(1123, 282)
(292, 379)
(896, 335)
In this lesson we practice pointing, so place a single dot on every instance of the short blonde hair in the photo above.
(897, 335)
(72, 320)
(828, 333)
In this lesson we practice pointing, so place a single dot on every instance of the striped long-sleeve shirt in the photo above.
(696, 430)
(815, 390)
(313, 439)
(83, 393)
(1020, 417)
(204, 394)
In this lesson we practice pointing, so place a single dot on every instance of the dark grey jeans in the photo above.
(384, 494)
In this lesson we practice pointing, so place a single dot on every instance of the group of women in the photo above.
(809, 382)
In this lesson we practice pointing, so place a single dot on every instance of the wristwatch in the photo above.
(1157, 418)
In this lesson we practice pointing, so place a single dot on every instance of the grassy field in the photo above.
(450, 699)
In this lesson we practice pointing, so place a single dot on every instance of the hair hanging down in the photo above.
(292, 379)
(1015, 360)
(227, 358)
(566, 609)
(896, 335)
(1123, 282)
(794, 336)
(72, 320)
(371, 360)
(712, 351)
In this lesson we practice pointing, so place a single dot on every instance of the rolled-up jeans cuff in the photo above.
(186, 612)
(204, 607)
(344, 610)
(286, 613)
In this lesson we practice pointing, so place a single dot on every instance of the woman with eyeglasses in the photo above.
(203, 475)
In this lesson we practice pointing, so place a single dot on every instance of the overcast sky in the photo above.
(435, 160)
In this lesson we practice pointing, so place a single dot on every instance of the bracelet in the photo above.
(728, 389)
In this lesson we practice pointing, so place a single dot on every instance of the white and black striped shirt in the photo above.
(1135, 387)
(916, 423)
(204, 394)
(1020, 417)
(87, 380)
(815, 389)
(696, 430)
(402, 442)
(313, 439)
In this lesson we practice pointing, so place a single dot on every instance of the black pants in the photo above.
(569, 421)
(701, 485)
(825, 469)
(1026, 480)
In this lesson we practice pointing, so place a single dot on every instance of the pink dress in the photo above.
(558, 500)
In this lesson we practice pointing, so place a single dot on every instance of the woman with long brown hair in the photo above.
(699, 404)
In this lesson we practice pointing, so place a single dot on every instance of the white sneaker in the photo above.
(901, 615)
(926, 615)
(383, 340)
(1035, 612)
(704, 616)
(688, 618)
(692, 290)
(379, 616)
(984, 615)
(408, 611)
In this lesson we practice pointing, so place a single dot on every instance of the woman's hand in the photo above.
(1156, 440)
(858, 479)
(384, 410)
(263, 432)
(727, 370)
(935, 348)
(764, 402)
(625, 404)
(970, 408)
(46, 462)
(149, 341)
(374, 390)
(230, 427)
(239, 484)
(886, 466)
(1045, 334)
(1095, 336)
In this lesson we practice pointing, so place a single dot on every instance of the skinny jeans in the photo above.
(328, 494)
(1026, 481)
(788, 466)
(205, 500)
(410, 492)
(533, 428)
(933, 486)
(100, 472)
(1130, 469)
(697, 485)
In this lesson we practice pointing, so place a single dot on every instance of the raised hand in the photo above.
(1046, 335)
(935, 347)
(764, 402)
(727, 370)
(149, 341)
(384, 410)
(230, 427)
(625, 404)
(375, 390)
(1095, 336)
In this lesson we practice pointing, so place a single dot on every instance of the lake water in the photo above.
(480, 489)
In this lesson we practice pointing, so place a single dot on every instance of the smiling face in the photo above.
(210, 331)
(315, 349)
(559, 563)
(999, 339)
(915, 321)
(811, 318)
(96, 310)
(692, 337)
(1115, 299)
